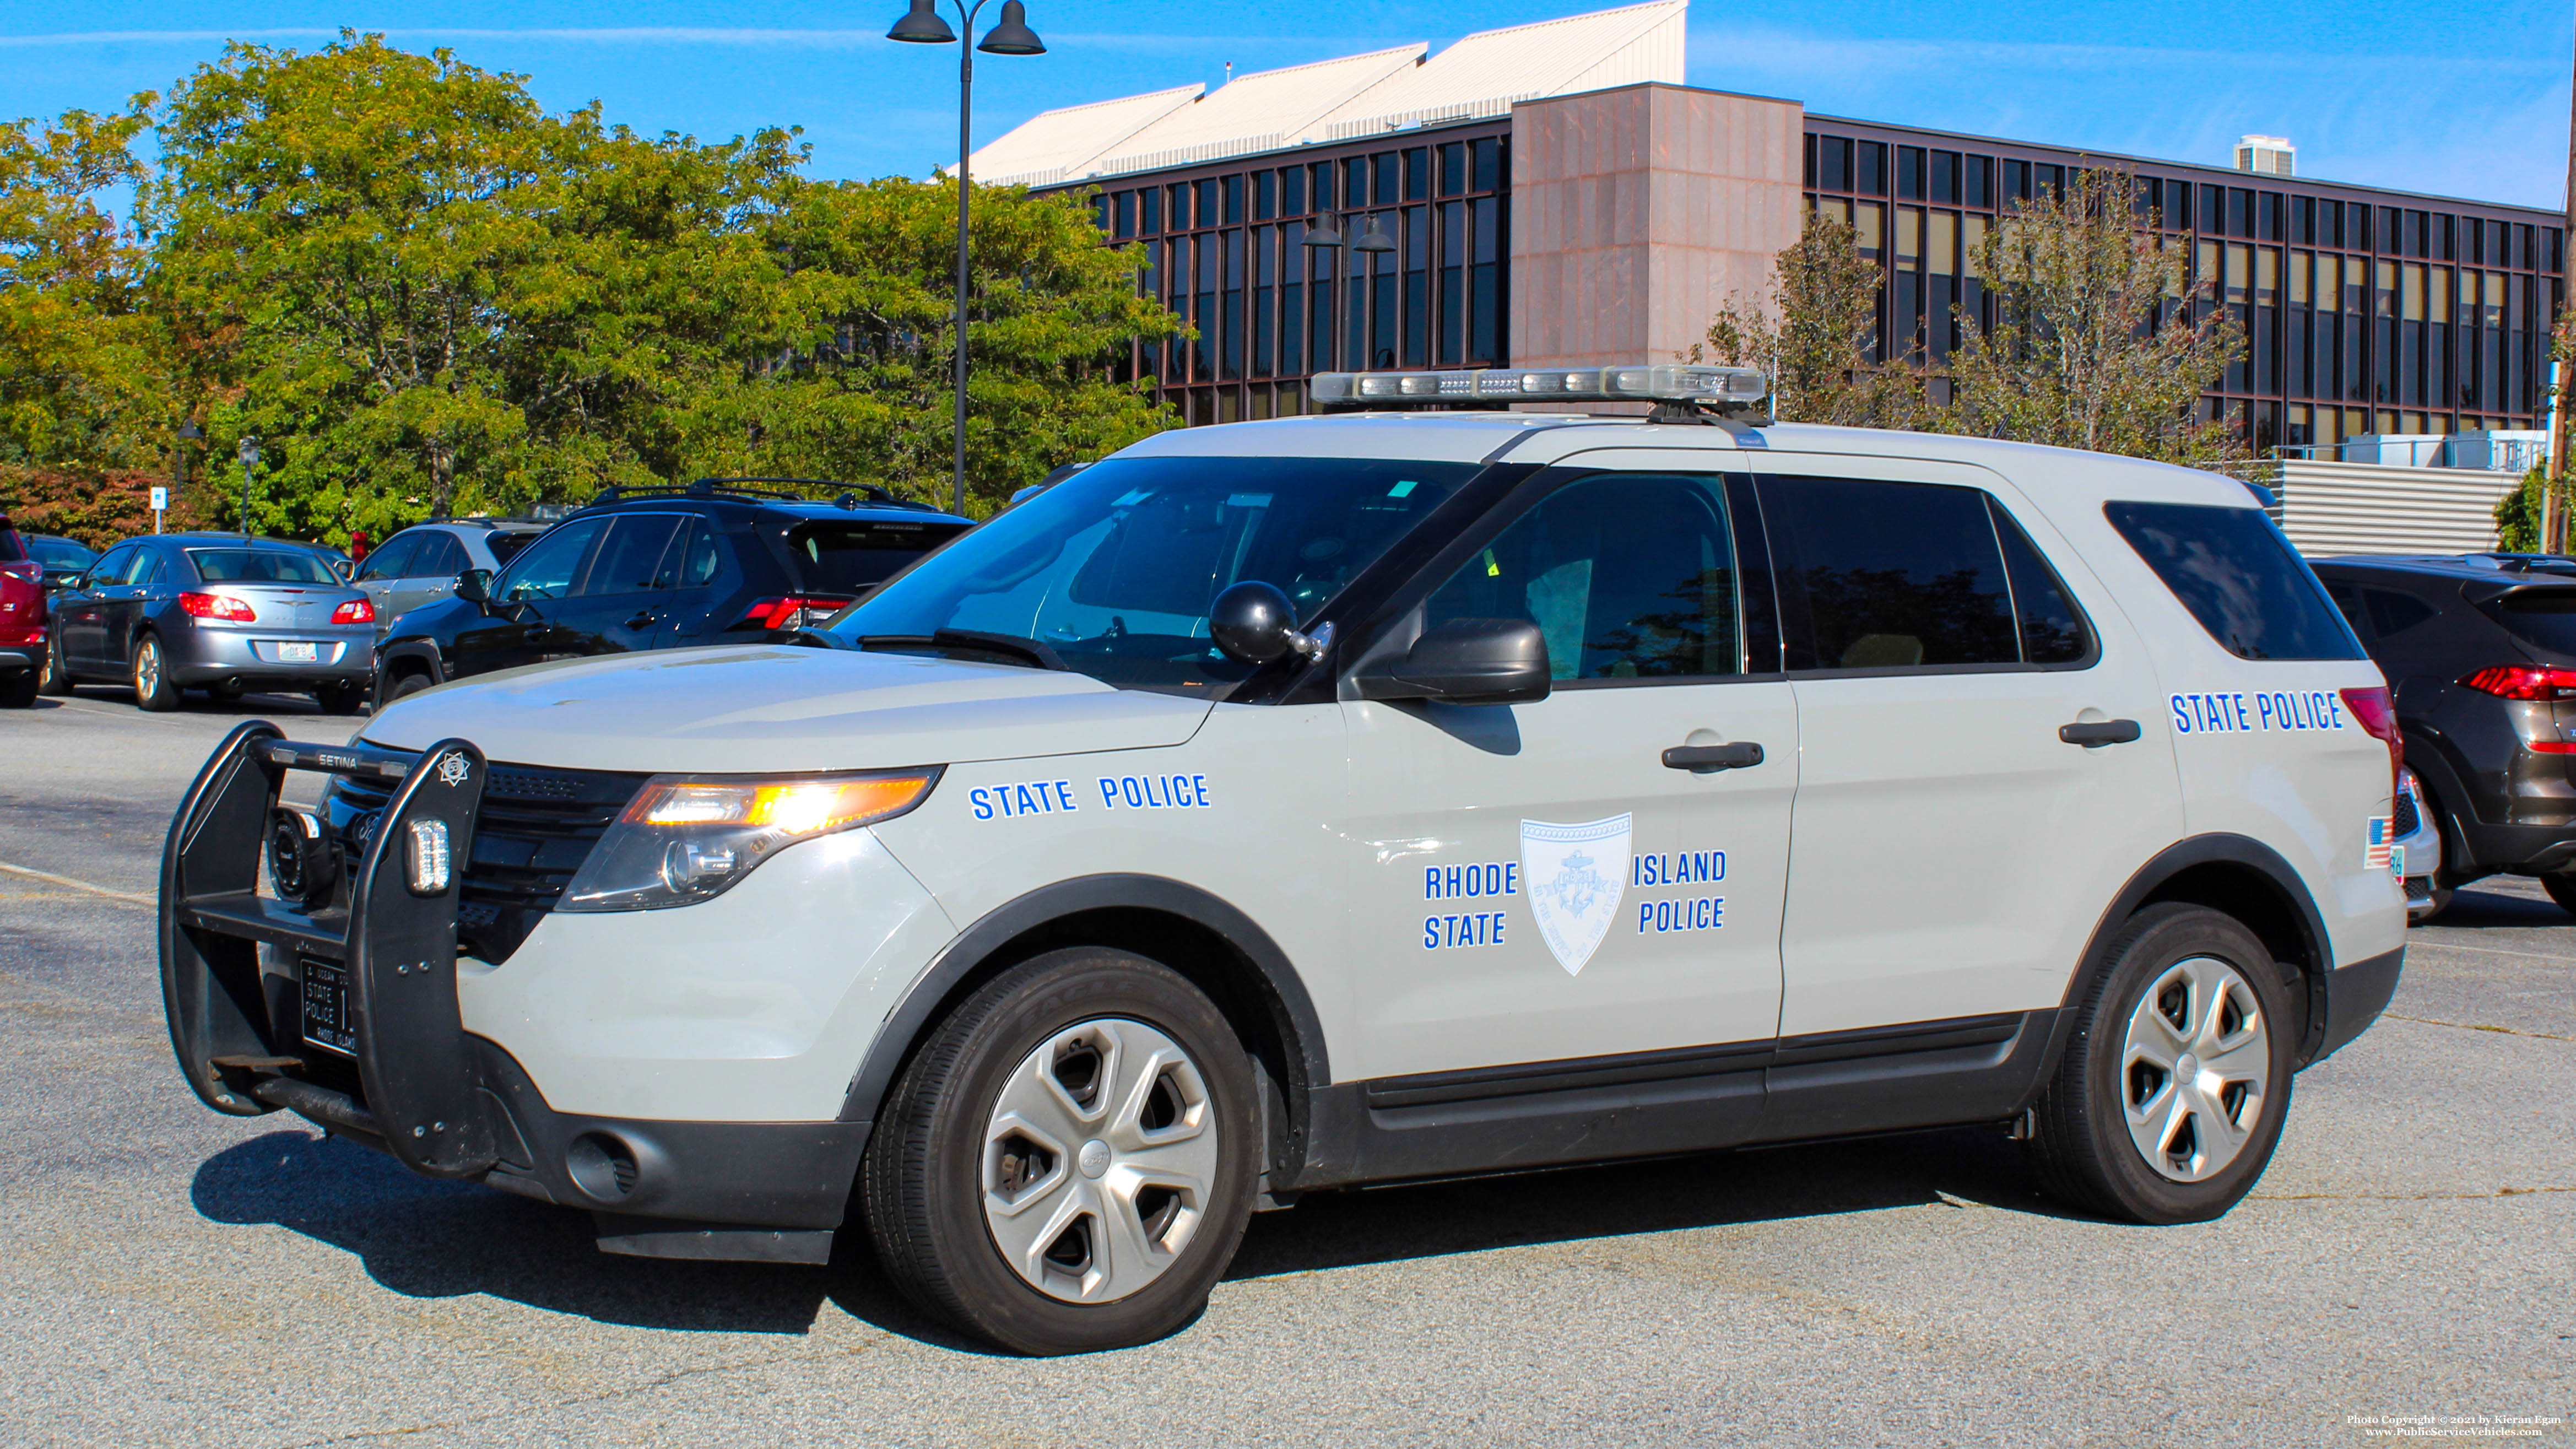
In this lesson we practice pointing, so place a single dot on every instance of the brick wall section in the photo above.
(1636, 211)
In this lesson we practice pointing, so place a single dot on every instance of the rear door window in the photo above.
(1885, 575)
(835, 557)
(2394, 613)
(2239, 577)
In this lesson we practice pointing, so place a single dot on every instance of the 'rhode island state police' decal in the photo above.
(1574, 876)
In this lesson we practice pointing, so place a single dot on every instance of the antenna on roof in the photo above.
(1229, 72)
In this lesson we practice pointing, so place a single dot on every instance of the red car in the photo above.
(22, 620)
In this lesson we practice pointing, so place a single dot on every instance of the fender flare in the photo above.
(1300, 1030)
(2173, 860)
(425, 650)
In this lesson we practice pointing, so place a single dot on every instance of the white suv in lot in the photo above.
(1301, 804)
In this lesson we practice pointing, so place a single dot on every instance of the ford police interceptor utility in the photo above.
(1338, 800)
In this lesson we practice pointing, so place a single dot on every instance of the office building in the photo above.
(1553, 194)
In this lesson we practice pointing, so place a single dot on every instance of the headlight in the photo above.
(684, 840)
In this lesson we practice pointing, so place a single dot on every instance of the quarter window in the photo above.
(2236, 574)
(1628, 575)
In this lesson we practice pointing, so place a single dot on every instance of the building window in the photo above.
(1149, 208)
(1909, 173)
(1292, 191)
(1265, 195)
(1945, 177)
(1977, 181)
(1126, 214)
(1834, 163)
(1417, 173)
(1871, 175)
(1453, 169)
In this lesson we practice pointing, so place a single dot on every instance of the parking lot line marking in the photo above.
(49, 878)
(2472, 1026)
(2495, 951)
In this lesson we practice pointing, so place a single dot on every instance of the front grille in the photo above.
(536, 828)
(2419, 888)
(2407, 820)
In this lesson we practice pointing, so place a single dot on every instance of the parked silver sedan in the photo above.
(213, 611)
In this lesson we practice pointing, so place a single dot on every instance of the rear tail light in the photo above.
(216, 606)
(2376, 712)
(356, 611)
(2524, 681)
(26, 569)
(795, 611)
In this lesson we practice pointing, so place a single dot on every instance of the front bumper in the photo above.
(238, 970)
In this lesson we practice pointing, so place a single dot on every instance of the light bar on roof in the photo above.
(1724, 388)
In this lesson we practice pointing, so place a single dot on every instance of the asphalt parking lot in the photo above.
(172, 1276)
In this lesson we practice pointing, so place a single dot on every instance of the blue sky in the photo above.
(2460, 97)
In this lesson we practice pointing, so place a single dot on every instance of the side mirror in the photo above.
(1255, 623)
(474, 586)
(1467, 661)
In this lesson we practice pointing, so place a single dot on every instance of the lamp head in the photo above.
(1322, 234)
(248, 452)
(1374, 239)
(1012, 36)
(922, 25)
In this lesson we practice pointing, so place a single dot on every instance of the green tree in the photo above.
(81, 361)
(2101, 342)
(2517, 514)
(855, 378)
(1814, 332)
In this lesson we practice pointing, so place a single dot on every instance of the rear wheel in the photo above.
(340, 698)
(18, 689)
(2562, 889)
(2171, 1095)
(1068, 1162)
(56, 681)
(152, 687)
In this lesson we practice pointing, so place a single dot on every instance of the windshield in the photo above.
(1114, 568)
(259, 566)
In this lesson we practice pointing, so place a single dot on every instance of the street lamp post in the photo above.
(249, 455)
(921, 25)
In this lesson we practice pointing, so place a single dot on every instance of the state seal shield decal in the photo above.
(1575, 876)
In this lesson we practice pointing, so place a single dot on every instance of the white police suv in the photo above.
(1339, 800)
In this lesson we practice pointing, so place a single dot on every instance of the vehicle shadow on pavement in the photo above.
(427, 1239)
(2484, 907)
(1921, 1169)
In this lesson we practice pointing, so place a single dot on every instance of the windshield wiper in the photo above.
(976, 641)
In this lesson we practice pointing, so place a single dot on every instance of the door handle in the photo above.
(2096, 734)
(641, 619)
(1707, 759)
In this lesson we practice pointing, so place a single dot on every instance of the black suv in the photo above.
(2481, 651)
(721, 561)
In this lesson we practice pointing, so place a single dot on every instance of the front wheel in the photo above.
(1068, 1162)
(2171, 1095)
(152, 687)
(2562, 889)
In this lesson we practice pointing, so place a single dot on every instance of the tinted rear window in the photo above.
(12, 548)
(2545, 619)
(505, 546)
(60, 553)
(2238, 576)
(843, 558)
(259, 566)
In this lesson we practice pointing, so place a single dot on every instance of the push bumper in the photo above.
(354, 1025)
(2355, 995)
(18, 659)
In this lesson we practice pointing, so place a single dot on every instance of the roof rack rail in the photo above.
(800, 490)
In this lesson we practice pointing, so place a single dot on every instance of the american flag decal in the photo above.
(2376, 857)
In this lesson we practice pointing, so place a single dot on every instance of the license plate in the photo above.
(298, 653)
(326, 1008)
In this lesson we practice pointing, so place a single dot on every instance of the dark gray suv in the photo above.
(2480, 650)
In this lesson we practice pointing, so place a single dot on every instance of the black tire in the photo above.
(340, 698)
(55, 683)
(152, 687)
(2080, 1145)
(225, 693)
(2562, 889)
(400, 686)
(924, 1185)
(2440, 901)
(18, 689)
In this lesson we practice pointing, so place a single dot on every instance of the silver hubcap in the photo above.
(2193, 1068)
(1098, 1160)
(147, 670)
